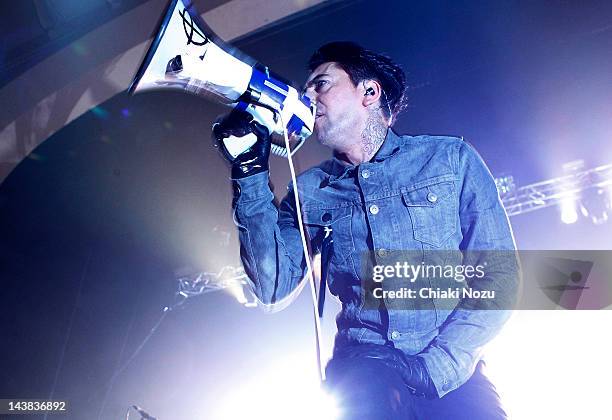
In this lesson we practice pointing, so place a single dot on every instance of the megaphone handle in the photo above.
(263, 114)
(235, 146)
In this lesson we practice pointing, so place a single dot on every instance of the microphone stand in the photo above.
(188, 287)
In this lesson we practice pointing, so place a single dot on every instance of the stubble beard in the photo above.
(336, 136)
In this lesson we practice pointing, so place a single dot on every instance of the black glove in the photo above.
(411, 368)
(238, 124)
(417, 378)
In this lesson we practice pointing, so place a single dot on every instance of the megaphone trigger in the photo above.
(264, 115)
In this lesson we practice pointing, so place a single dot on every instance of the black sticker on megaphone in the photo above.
(191, 29)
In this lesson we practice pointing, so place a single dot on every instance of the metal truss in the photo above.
(543, 194)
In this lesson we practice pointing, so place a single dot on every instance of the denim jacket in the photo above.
(420, 193)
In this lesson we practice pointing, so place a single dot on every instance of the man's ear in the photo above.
(371, 92)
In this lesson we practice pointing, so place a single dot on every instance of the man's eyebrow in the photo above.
(313, 81)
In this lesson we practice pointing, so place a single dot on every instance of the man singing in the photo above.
(380, 198)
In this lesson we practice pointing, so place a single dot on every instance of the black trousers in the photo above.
(367, 389)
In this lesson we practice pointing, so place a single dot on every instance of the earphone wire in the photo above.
(309, 274)
(388, 106)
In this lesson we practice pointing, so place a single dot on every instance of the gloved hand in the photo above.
(411, 368)
(415, 375)
(239, 124)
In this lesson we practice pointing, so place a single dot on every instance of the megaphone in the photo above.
(186, 55)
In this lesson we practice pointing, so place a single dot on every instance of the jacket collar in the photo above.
(340, 170)
(390, 146)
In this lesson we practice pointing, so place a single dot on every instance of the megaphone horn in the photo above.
(186, 55)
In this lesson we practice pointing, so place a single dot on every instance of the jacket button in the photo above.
(326, 217)
(432, 198)
(374, 209)
(365, 174)
(395, 335)
(382, 252)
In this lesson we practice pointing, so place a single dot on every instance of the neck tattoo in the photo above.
(373, 134)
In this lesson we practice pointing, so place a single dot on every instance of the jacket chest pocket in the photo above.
(433, 210)
(334, 224)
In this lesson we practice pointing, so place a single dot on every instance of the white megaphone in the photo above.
(186, 55)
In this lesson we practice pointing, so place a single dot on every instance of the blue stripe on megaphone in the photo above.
(295, 125)
(271, 87)
(241, 106)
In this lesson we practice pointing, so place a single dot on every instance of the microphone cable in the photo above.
(309, 274)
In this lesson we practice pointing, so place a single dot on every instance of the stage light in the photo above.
(569, 212)
(290, 390)
(505, 184)
(595, 205)
(279, 401)
(545, 365)
(569, 201)
(237, 291)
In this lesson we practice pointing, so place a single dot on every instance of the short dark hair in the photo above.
(362, 64)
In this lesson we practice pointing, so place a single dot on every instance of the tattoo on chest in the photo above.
(373, 134)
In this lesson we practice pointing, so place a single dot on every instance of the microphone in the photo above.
(143, 414)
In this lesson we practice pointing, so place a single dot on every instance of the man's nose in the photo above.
(311, 94)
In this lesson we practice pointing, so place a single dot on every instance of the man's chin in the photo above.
(323, 140)
(327, 138)
(319, 134)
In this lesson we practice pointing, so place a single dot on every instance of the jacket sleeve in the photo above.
(488, 241)
(270, 244)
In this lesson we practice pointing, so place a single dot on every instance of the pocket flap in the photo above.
(429, 195)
